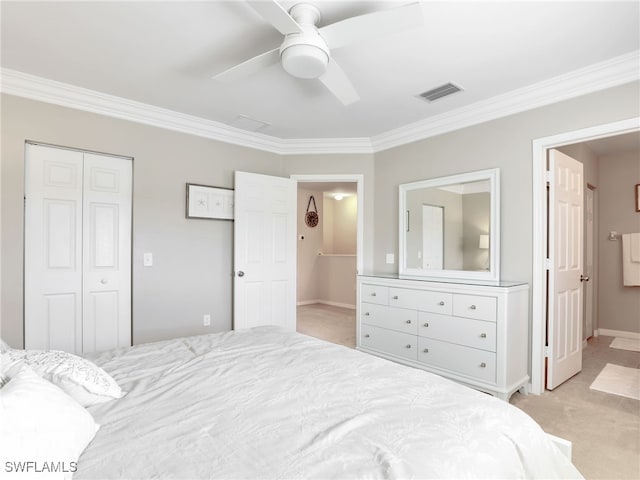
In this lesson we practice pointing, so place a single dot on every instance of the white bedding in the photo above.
(264, 403)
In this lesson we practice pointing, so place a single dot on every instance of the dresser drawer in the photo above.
(461, 331)
(374, 294)
(425, 301)
(475, 306)
(388, 341)
(468, 361)
(398, 319)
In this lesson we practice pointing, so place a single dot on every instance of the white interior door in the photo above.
(53, 249)
(589, 263)
(264, 251)
(432, 237)
(106, 253)
(565, 278)
(77, 250)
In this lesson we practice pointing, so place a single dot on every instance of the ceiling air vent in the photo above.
(439, 92)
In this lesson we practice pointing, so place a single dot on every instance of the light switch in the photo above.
(390, 258)
(147, 259)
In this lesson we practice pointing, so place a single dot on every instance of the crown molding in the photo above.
(607, 74)
(610, 73)
(13, 82)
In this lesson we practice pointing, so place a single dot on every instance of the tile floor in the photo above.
(604, 428)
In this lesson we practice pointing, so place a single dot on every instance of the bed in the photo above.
(267, 403)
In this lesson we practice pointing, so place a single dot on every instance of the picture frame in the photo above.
(207, 202)
(637, 197)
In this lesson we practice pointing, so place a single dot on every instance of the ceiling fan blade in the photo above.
(372, 25)
(339, 84)
(249, 67)
(277, 16)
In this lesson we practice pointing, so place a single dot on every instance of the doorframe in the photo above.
(540, 146)
(358, 179)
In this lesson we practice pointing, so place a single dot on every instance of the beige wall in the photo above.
(327, 278)
(192, 272)
(504, 143)
(307, 280)
(618, 306)
(343, 222)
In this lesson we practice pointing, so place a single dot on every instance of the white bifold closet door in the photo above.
(77, 250)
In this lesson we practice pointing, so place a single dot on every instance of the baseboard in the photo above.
(307, 302)
(618, 333)
(327, 302)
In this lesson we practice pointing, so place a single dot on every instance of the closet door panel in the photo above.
(107, 252)
(53, 248)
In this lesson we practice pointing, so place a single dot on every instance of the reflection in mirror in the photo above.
(445, 224)
(450, 224)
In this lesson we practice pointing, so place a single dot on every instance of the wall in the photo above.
(351, 164)
(477, 221)
(307, 280)
(504, 143)
(618, 306)
(329, 278)
(344, 223)
(192, 272)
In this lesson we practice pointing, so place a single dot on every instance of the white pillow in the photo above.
(4, 347)
(83, 380)
(43, 430)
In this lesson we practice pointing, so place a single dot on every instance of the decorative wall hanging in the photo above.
(209, 202)
(311, 217)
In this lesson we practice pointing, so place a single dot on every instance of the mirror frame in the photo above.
(493, 274)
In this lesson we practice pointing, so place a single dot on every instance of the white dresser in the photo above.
(476, 334)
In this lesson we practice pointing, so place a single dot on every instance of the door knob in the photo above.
(241, 273)
(584, 278)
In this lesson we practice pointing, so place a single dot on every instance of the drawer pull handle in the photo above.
(373, 294)
(483, 335)
(408, 345)
(366, 314)
(408, 321)
(426, 324)
(482, 365)
(472, 307)
(426, 350)
(366, 335)
(441, 303)
(395, 297)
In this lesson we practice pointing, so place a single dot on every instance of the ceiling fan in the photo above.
(306, 49)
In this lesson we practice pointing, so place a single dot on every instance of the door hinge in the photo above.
(547, 264)
(547, 176)
(546, 351)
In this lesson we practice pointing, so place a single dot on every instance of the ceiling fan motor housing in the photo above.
(306, 54)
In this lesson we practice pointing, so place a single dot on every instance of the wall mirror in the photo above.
(450, 227)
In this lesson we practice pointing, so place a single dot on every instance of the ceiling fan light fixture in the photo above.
(304, 61)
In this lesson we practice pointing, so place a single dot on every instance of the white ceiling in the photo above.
(164, 54)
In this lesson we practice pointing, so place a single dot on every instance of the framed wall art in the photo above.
(209, 202)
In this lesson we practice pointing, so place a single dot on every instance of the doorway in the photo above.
(329, 255)
(541, 232)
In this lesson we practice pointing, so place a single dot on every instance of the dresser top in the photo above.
(458, 281)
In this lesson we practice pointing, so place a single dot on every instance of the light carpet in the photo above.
(618, 380)
(632, 344)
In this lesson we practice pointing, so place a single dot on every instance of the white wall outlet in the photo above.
(206, 320)
(391, 259)
(147, 259)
